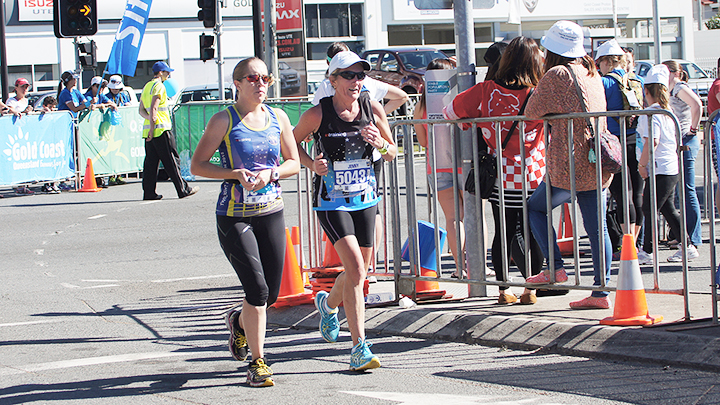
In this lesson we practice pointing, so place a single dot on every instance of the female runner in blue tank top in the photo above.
(347, 127)
(250, 137)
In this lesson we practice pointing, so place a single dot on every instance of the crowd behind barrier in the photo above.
(38, 148)
(409, 228)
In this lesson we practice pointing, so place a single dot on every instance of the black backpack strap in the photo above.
(515, 123)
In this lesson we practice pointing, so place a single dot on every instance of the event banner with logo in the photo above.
(36, 147)
(115, 148)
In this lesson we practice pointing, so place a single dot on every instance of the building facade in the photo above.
(173, 30)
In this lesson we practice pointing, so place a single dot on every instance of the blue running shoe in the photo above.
(329, 323)
(361, 358)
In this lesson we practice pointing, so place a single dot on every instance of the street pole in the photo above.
(615, 20)
(3, 54)
(465, 40)
(220, 61)
(271, 47)
(257, 29)
(656, 26)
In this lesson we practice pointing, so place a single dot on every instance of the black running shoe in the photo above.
(238, 343)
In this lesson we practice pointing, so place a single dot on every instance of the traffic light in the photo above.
(73, 18)
(87, 54)
(207, 12)
(207, 51)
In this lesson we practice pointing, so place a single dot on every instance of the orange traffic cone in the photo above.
(292, 290)
(630, 303)
(565, 229)
(89, 183)
(331, 258)
(299, 254)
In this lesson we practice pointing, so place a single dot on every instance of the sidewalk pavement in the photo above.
(550, 326)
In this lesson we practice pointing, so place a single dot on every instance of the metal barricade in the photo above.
(710, 187)
(405, 277)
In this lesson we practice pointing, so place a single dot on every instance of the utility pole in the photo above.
(220, 61)
(257, 29)
(465, 40)
(3, 54)
(271, 47)
(656, 29)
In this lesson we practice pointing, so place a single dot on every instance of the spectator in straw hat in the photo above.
(566, 63)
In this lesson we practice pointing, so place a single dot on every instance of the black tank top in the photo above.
(340, 141)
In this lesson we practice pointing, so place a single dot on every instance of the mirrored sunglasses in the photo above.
(266, 79)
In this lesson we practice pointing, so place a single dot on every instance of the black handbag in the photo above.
(487, 164)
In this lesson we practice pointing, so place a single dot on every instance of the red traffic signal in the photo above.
(73, 18)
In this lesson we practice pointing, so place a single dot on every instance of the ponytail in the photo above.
(60, 88)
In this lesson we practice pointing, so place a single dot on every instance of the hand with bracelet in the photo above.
(371, 134)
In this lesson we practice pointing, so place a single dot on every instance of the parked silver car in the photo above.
(699, 80)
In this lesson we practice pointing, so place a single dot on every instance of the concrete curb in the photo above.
(652, 345)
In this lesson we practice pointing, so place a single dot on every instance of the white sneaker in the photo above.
(644, 257)
(691, 251)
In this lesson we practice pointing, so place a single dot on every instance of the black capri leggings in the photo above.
(635, 190)
(339, 224)
(255, 247)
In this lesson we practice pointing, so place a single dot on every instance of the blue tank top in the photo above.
(350, 182)
(254, 149)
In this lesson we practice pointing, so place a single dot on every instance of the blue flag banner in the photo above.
(128, 38)
(36, 147)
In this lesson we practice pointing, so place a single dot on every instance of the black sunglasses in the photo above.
(266, 79)
(349, 75)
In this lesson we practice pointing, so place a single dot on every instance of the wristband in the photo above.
(384, 149)
(693, 130)
(639, 165)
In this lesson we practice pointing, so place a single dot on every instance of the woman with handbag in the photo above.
(571, 84)
(519, 70)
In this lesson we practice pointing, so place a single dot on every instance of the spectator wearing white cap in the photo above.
(95, 92)
(611, 60)
(18, 104)
(116, 95)
(666, 167)
(347, 127)
(567, 66)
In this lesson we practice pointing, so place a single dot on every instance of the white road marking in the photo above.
(90, 361)
(150, 202)
(170, 280)
(68, 285)
(39, 252)
(97, 216)
(434, 399)
(100, 286)
(2, 325)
